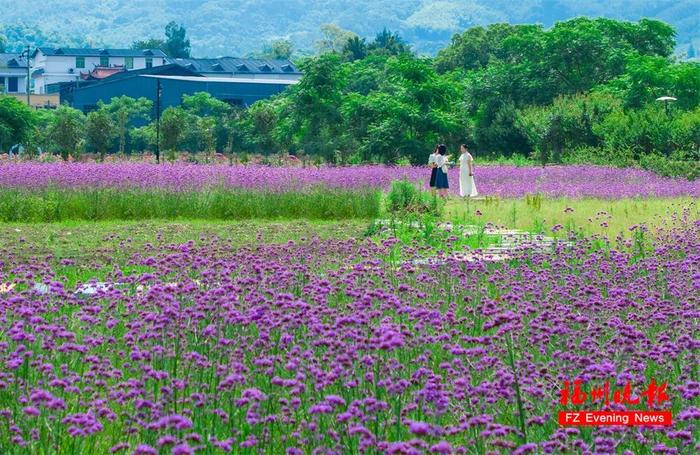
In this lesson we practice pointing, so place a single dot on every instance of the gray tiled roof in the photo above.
(229, 65)
(12, 61)
(83, 52)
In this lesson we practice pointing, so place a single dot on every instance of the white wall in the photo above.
(57, 68)
(21, 81)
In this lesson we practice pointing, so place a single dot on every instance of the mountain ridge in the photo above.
(241, 27)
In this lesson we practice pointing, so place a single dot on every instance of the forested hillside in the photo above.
(239, 27)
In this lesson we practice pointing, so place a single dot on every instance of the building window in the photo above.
(129, 63)
(80, 62)
(104, 61)
(149, 62)
(12, 84)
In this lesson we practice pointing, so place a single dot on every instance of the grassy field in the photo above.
(98, 204)
(586, 216)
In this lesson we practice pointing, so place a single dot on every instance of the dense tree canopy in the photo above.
(16, 122)
(503, 88)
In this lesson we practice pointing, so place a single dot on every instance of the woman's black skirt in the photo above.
(441, 180)
(433, 177)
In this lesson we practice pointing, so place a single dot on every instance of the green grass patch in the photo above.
(97, 204)
(538, 214)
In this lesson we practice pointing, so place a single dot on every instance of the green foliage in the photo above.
(20, 33)
(172, 125)
(477, 47)
(388, 43)
(65, 132)
(143, 138)
(124, 110)
(16, 122)
(259, 125)
(566, 124)
(496, 132)
(405, 197)
(53, 204)
(278, 49)
(670, 167)
(150, 43)
(177, 45)
(204, 105)
(333, 39)
(99, 131)
(651, 129)
(355, 48)
(649, 77)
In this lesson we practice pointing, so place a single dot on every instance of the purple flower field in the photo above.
(330, 347)
(504, 181)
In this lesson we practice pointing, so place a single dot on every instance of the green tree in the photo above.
(125, 110)
(16, 122)
(388, 43)
(143, 138)
(206, 119)
(39, 140)
(316, 100)
(203, 104)
(177, 45)
(99, 131)
(333, 40)
(173, 122)
(649, 77)
(206, 129)
(496, 129)
(66, 130)
(259, 124)
(479, 46)
(150, 43)
(567, 124)
(355, 48)
(279, 49)
(582, 52)
(3, 42)
(412, 109)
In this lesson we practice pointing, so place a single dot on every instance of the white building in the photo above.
(13, 74)
(51, 66)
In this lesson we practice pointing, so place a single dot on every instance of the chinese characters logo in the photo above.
(653, 397)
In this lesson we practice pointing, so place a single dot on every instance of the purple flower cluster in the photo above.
(325, 347)
(504, 181)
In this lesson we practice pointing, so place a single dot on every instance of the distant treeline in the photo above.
(584, 90)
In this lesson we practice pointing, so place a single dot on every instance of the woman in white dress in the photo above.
(467, 188)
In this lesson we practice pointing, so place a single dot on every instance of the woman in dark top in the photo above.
(433, 169)
(441, 162)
